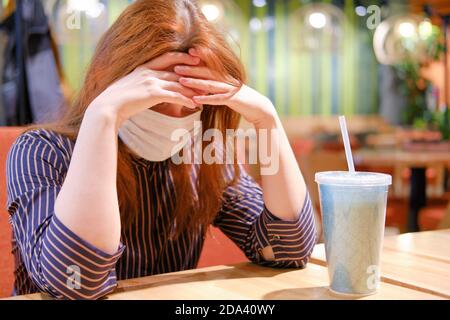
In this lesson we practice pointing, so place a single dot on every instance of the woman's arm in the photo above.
(88, 203)
(245, 219)
(67, 253)
(58, 261)
(285, 190)
(283, 185)
(65, 216)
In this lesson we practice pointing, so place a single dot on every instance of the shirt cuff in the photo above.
(74, 268)
(289, 239)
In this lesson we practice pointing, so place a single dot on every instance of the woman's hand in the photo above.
(148, 85)
(253, 106)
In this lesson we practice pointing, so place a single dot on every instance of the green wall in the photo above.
(299, 82)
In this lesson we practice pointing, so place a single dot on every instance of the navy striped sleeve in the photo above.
(245, 219)
(292, 242)
(58, 261)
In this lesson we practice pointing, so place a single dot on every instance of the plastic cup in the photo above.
(353, 216)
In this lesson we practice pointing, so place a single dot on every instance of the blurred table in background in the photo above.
(417, 161)
(304, 126)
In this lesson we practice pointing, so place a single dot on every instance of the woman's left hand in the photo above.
(253, 106)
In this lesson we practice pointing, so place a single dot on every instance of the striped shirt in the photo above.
(50, 258)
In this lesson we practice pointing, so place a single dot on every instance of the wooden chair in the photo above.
(434, 217)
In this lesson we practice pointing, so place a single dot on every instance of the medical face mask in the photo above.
(157, 137)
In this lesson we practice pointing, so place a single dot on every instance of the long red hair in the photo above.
(145, 30)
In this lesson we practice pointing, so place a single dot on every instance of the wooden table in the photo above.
(389, 157)
(242, 281)
(419, 261)
(417, 162)
(414, 267)
(434, 245)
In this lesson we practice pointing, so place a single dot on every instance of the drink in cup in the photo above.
(353, 208)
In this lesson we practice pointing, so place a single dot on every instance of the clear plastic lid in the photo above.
(345, 178)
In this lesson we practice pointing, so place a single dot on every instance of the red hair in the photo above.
(145, 30)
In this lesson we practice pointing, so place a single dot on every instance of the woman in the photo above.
(89, 208)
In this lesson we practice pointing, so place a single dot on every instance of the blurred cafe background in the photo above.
(383, 64)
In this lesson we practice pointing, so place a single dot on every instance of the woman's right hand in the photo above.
(148, 85)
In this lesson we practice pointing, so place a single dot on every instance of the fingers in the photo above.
(201, 92)
(203, 72)
(173, 77)
(197, 72)
(195, 52)
(184, 92)
(214, 100)
(177, 98)
(207, 86)
(167, 76)
(168, 59)
(177, 87)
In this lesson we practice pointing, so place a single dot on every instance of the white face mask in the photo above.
(149, 133)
